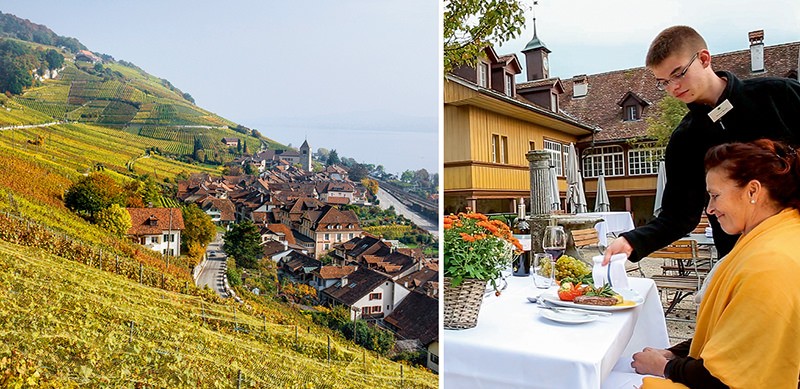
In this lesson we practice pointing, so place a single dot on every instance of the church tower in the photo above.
(305, 156)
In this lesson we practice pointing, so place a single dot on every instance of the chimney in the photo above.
(344, 281)
(756, 50)
(580, 86)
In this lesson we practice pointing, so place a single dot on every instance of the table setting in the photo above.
(526, 336)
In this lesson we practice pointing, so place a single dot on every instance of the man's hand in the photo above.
(651, 361)
(619, 245)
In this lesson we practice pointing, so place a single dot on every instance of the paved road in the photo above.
(213, 274)
(387, 200)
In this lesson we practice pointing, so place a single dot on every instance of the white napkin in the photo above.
(614, 273)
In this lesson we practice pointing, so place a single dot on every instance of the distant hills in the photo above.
(94, 88)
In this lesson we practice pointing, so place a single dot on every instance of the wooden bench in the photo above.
(701, 227)
(586, 237)
(680, 259)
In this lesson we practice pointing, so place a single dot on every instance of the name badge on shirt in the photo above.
(720, 110)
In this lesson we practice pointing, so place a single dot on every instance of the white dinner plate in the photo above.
(628, 296)
(568, 317)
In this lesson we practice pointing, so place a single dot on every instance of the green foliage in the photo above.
(368, 336)
(358, 172)
(198, 227)
(114, 219)
(370, 184)
(333, 158)
(476, 248)
(54, 59)
(243, 242)
(668, 114)
(233, 273)
(93, 193)
(471, 25)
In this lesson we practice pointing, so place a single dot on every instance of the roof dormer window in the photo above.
(483, 74)
(509, 85)
(631, 113)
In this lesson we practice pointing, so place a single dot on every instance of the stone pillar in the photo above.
(539, 163)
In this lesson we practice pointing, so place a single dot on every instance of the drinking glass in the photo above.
(554, 241)
(543, 276)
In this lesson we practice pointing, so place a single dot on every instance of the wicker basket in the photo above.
(462, 303)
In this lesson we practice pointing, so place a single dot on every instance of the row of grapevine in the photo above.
(54, 110)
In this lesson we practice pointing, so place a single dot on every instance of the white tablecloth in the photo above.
(513, 347)
(615, 223)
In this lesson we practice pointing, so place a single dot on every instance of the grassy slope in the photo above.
(68, 325)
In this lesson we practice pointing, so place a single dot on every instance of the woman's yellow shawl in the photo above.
(748, 325)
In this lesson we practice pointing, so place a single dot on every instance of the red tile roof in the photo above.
(142, 220)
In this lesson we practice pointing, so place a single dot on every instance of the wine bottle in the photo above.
(521, 266)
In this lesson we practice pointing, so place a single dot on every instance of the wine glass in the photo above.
(554, 241)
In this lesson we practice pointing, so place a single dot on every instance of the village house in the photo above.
(221, 210)
(424, 280)
(158, 229)
(298, 267)
(232, 142)
(415, 322)
(369, 294)
(328, 226)
(327, 276)
(336, 192)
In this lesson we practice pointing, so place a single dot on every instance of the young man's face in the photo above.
(680, 76)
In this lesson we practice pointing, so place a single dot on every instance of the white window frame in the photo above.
(610, 160)
(553, 102)
(509, 84)
(631, 113)
(499, 150)
(557, 152)
(643, 159)
(483, 74)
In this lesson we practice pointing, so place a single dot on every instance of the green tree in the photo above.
(54, 59)
(333, 158)
(670, 111)
(358, 172)
(198, 227)
(243, 242)
(471, 25)
(407, 176)
(92, 194)
(114, 219)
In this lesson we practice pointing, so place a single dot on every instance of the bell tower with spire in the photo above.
(305, 156)
(536, 62)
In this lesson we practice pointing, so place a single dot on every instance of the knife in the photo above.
(576, 310)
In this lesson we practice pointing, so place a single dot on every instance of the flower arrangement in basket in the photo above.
(476, 250)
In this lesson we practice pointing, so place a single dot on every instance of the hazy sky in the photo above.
(591, 36)
(358, 76)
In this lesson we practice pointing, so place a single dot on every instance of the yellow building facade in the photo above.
(486, 137)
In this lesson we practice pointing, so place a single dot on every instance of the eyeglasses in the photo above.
(662, 84)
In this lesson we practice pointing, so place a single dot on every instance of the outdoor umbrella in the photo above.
(576, 199)
(555, 198)
(601, 203)
(661, 182)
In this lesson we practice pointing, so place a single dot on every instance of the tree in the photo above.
(243, 242)
(421, 176)
(670, 112)
(249, 170)
(198, 229)
(407, 176)
(471, 25)
(323, 153)
(114, 219)
(92, 194)
(357, 172)
(54, 59)
(333, 158)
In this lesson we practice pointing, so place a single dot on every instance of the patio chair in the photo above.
(587, 237)
(680, 274)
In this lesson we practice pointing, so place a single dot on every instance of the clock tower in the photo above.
(537, 66)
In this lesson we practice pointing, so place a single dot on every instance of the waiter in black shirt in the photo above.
(722, 109)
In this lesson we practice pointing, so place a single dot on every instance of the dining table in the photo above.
(613, 223)
(514, 346)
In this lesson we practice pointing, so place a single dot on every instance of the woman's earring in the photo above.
(752, 201)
